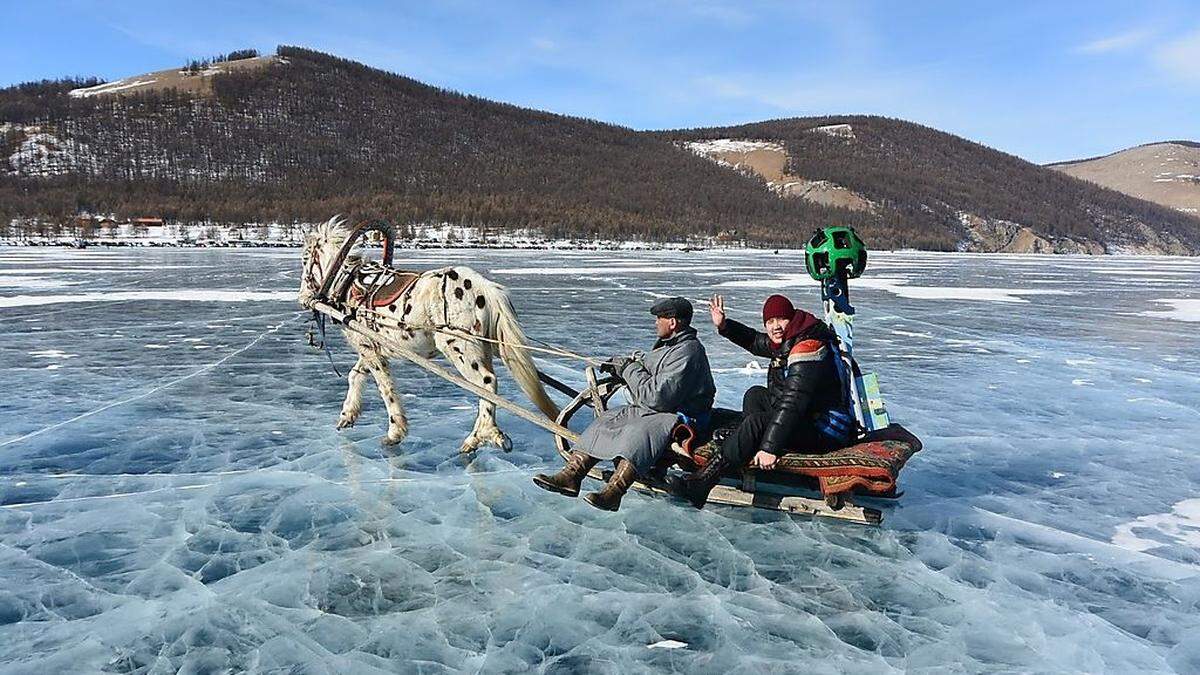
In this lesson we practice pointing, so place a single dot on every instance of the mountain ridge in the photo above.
(1177, 141)
(313, 134)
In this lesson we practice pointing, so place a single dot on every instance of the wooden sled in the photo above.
(815, 485)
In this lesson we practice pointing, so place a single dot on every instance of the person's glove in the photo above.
(615, 365)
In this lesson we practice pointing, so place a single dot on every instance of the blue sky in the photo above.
(1043, 80)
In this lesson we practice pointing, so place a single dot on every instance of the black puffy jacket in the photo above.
(802, 381)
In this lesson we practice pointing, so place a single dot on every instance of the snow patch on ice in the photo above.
(1182, 310)
(33, 282)
(1180, 526)
(668, 644)
(907, 333)
(184, 295)
(899, 286)
(51, 354)
(1122, 272)
(547, 271)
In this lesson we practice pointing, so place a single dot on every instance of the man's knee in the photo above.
(742, 444)
(756, 400)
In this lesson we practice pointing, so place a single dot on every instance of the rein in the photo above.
(319, 320)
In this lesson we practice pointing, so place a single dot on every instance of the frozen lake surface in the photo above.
(175, 496)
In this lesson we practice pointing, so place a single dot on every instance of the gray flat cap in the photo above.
(673, 308)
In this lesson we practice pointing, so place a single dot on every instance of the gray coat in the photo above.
(674, 377)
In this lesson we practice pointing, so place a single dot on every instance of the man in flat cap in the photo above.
(671, 382)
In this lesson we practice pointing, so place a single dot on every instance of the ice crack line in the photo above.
(202, 369)
(350, 482)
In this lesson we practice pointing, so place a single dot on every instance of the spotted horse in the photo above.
(452, 310)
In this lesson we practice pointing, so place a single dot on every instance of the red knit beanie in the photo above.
(777, 306)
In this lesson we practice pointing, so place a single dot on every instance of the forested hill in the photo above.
(303, 135)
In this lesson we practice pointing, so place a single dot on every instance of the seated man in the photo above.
(804, 405)
(671, 380)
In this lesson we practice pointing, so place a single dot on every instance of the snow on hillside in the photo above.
(108, 88)
(839, 130)
(717, 146)
(40, 153)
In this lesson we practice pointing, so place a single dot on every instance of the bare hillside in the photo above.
(1163, 173)
(195, 80)
(769, 161)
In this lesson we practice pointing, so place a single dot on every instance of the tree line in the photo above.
(323, 135)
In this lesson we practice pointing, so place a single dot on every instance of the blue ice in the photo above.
(175, 496)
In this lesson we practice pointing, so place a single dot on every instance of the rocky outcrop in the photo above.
(1004, 236)
(984, 235)
(1144, 240)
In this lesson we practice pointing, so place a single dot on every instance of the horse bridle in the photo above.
(326, 279)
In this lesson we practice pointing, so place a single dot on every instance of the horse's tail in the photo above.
(512, 352)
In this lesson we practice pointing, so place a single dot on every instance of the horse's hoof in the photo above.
(345, 424)
(505, 443)
(391, 440)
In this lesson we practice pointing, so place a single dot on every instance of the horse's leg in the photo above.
(397, 421)
(485, 423)
(474, 363)
(352, 406)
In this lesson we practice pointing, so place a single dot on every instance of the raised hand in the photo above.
(716, 310)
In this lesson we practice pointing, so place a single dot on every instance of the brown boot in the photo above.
(567, 481)
(609, 497)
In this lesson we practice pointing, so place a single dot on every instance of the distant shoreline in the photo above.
(545, 245)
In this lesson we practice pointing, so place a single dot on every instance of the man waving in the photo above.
(804, 405)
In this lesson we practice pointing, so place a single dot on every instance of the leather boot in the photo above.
(695, 487)
(609, 497)
(568, 479)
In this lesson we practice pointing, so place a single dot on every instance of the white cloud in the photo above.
(1181, 57)
(826, 93)
(720, 11)
(1115, 43)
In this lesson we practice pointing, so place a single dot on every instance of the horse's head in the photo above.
(321, 246)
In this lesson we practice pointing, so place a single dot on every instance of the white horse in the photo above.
(429, 313)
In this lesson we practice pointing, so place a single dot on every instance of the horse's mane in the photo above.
(333, 231)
